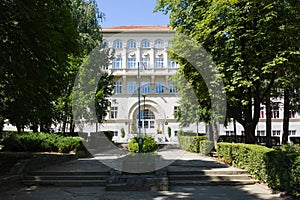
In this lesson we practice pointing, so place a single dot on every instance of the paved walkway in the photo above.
(244, 192)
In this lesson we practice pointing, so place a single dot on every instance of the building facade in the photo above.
(142, 50)
(145, 47)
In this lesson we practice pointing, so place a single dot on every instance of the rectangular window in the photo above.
(172, 64)
(117, 87)
(292, 114)
(159, 62)
(131, 63)
(152, 124)
(229, 133)
(114, 112)
(276, 133)
(160, 88)
(176, 109)
(140, 124)
(292, 132)
(261, 133)
(176, 133)
(116, 133)
(145, 87)
(117, 64)
(275, 113)
(172, 88)
(131, 87)
(146, 124)
(145, 63)
(262, 113)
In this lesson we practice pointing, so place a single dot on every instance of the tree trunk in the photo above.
(234, 130)
(250, 133)
(215, 132)
(268, 123)
(286, 117)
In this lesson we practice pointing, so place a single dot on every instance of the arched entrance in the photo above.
(147, 123)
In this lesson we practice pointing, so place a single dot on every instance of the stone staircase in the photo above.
(197, 173)
(76, 173)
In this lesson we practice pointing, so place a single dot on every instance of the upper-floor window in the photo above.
(117, 63)
(146, 88)
(118, 44)
(145, 44)
(117, 87)
(176, 110)
(172, 64)
(131, 44)
(105, 44)
(131, 87)
(275, 113)
(292, 114)
(131, 63)
(159, 62)
(158, 44)
(172, 88)
(262, 112)
(160, 88)
(145, 63)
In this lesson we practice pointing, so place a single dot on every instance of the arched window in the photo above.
(146, 114)
(105, 44)
(159, 44)
(145, 44)
(131, 44)
(118, 44)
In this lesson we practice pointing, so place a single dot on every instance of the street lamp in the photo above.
(144, 96)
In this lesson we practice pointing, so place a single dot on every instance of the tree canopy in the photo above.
(253, 43)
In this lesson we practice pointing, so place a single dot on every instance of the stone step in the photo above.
(68, 173)
(209, 178)
(89, 177)
(65, 183)
(205, 171)
(210, 183)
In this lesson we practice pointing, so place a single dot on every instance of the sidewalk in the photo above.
(244, 192)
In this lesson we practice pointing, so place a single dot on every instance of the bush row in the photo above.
(196, 144)
(280, 169)
(148, 144)
(40, 142)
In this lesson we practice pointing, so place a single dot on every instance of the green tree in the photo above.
(250, 41)
(36, 39)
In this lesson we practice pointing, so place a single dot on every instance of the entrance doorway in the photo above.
(147, 123)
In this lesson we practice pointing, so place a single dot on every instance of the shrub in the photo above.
(40, 142)
(148, 145)
(205, 146)
(169, 131)
(280, 169)
(190, 143)
(122, 132)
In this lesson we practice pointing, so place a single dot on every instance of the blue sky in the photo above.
(130, 12)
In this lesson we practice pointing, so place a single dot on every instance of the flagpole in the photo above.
(139, 100)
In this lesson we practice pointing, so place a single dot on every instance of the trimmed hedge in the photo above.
(190, 143)
(280, 169)
(40, 142)
(148, 145)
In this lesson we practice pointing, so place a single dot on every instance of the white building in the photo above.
(147, 45)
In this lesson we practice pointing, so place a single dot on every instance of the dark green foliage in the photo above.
(278, 168)
(190, 143)
(122, 132)
(205, 146)
(169, 131)
(40, 142)
(148, 145)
